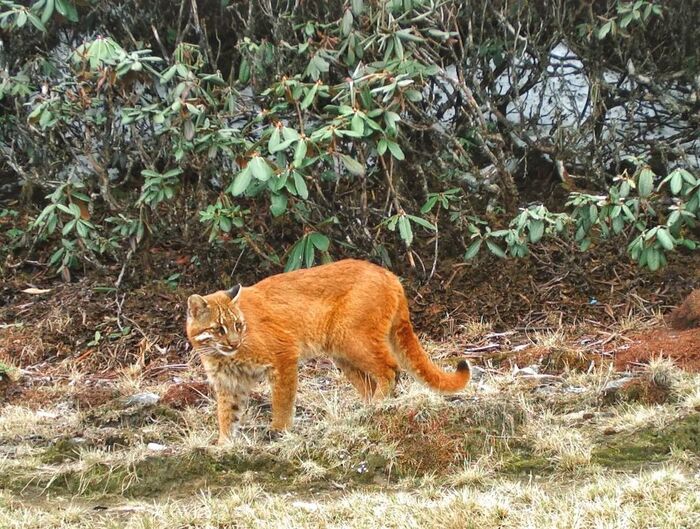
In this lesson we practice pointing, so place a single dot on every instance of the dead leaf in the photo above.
(33, 290)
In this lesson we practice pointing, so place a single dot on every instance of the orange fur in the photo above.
(351, 311)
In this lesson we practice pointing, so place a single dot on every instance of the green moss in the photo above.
(649, 445)
(525, 462)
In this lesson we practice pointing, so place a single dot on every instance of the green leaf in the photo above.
(352, 165)
(188, 130)
(244, 71)
(357, 124)
(309, 98)
(429, 204)
(47, 12)
(652, 259)
(395, 150)
(320, 241)
(300, 185)
(357, 6)
(290, 134)
(308, 252)
(676, 182)
(299, 153)
(605, 29)
(241, 182)
(67, 9)
(664, 239)
(68, 227)
(225, 224)
(536, 230)
(382, 146)
(413, 95)
(74, 209)
(495, 249)
(646, 182)
(82, 229)
(21, 19)
(422, 222)
(473, 250)
(36, 22)
(260, 168)
(405, 230)
(278, 204)
(274, 140)
(346, 24)
(391, 118)
(295, 256)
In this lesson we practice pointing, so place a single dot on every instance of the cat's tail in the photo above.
(414, 358)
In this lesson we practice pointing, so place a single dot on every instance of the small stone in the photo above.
(477, 373)
(306, 505)
(615, 385)
(155, 447)
(609, 431)
(525, 371)
(588, 415)
(141, 399)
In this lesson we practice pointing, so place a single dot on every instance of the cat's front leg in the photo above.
(284, 389)
(229, 409)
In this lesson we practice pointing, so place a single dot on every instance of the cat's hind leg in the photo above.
(376, 360)
(363, 382)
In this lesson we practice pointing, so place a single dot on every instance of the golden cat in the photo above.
(353, 312)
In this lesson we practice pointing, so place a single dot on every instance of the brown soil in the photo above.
(143, 322)
(683, 347)
(687, 315)
(179, 396)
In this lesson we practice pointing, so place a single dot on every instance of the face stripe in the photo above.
(222, 331)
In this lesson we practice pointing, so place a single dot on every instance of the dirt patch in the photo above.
(683, 347)
(687, 315)
(182, 395)
(552, 360)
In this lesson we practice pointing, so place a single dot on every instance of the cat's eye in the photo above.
(221, 330)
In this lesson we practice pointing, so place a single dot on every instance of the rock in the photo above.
(525, 371)
(141, 400)
(155, 447)
(614, 386)
(477, 373)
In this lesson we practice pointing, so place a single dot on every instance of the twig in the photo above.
(162, 48)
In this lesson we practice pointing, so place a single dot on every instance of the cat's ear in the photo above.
(234, 292)
(196, 306)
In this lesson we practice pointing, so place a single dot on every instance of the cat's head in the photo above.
(215, 323)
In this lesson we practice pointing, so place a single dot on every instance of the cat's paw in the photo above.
(273, 435)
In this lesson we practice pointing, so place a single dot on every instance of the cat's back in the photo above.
(328, 279)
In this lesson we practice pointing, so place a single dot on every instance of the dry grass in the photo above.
(666, 498)
(503, 454)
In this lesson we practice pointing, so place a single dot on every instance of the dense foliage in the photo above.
(306, 130)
